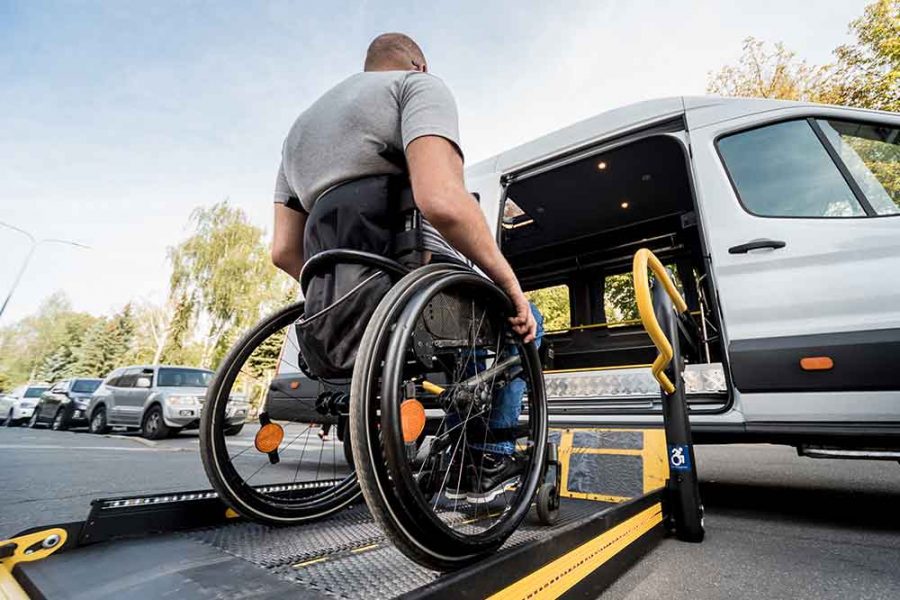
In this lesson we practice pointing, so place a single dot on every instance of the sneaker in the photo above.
(498, 474)
(459, 486)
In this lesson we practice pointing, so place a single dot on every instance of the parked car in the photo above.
(160, 400)
(17, 406)
(65, 404)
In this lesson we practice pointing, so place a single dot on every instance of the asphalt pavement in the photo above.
(778, 525)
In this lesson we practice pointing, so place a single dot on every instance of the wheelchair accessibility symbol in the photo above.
(679, 457)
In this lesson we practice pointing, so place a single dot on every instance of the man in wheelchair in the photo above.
(375, 166)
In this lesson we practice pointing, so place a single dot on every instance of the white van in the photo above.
(782, 223)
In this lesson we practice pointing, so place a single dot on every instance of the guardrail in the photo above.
(644, 259)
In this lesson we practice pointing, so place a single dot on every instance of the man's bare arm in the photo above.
(436, 173)
(287, 240)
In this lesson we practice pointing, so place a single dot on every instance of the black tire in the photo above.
(394, 496)
(98, 421)
(153, 425)
(284, 503)
(9, 419)
(348, 448)
(547, 504)
(33, 421)
(59, 421)
(234, 429)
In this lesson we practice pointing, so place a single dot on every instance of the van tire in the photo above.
(154, 427)
(98, 421)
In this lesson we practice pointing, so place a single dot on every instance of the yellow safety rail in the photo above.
(643, 259)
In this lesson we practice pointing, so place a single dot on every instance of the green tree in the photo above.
(764, 72)
(151, 328)
(96, 357)
(865, 73)
(178, 333)
(553, 302)
(63, 361)
(222, 280)
(25, 345)
(107, 345)
(618, 298)
(5, 382)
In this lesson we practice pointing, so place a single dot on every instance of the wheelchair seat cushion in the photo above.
(359, 215)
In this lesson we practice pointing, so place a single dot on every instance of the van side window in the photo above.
(872, 155)
(783, 170)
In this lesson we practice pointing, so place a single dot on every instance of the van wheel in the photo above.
(33, 421)
(98, 422)
(59, 421)
(154, 427)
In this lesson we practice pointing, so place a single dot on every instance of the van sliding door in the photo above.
(801, 208)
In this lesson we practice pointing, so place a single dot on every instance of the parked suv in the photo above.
(159, 400)
(65, 404)
(17, 406)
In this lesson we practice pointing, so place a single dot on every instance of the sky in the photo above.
(118, 119)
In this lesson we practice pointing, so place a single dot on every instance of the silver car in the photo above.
(160, 400)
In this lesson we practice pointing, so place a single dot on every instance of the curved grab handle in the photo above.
(644, 259)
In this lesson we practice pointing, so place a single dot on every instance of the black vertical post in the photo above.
(683, 487)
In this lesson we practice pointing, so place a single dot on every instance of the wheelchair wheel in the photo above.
(286, 473)
(430, 434)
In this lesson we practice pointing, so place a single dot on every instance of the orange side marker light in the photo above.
(269, 437)
(412, 420)
(816, 363)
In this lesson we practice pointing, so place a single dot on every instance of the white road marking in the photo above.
(75, 448)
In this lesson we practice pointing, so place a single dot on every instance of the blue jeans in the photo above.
(507, 403)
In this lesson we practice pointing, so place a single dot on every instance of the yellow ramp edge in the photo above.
(556, 577)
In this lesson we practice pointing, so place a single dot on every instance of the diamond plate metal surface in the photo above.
(348, 556)
(630, 383)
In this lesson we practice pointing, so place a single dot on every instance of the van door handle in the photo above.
(756, 245)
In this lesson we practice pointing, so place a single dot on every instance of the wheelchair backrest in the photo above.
(359, 237)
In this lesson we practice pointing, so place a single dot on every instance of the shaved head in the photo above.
(394, 52)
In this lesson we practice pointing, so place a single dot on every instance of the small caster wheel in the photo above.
(547, 504)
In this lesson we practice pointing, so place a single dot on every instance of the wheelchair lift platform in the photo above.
(620, 490)
(188, 545)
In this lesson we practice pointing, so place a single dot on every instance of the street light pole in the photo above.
(34, 243)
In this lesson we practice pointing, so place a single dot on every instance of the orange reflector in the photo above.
(412, 419)
(268, 438)
(816, 363)
(295, 385)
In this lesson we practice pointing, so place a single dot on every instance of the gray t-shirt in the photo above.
(361, 127)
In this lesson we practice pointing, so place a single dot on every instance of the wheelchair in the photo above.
(416, 409)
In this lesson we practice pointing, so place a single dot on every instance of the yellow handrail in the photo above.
(643, 259)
